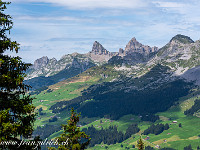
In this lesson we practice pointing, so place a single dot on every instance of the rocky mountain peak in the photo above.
(99, 49)
(74, 54)
(181, 39)
(41, 62)
(135, 52)
(99, 53)
(134, 46)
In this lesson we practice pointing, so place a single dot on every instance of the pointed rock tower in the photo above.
(99, 53)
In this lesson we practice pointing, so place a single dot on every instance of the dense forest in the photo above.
(110, 135)
(156, 129)
(46, 131)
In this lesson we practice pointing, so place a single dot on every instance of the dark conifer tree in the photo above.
(166, 126)
(73, 138)
(16, 109)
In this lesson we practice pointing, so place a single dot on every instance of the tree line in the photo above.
(156, 129)
(110, 135)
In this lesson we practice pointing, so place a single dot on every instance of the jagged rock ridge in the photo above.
(136, 52)
(134, 46)
(180, 54)
(48, 67)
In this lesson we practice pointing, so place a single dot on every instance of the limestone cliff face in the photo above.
(98, 49)
(41, 62)
(99, 53)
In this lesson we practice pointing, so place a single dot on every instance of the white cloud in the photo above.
(47, 18)
(180, 7)
(92, 4)
(186, 12)
(169, 4)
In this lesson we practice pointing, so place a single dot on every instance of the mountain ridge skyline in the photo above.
(60, 27)
(116, 51)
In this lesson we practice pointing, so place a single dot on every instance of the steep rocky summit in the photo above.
(182, 55)
(136, 52)
(41, 62)
(99, 53)
(180, 48)
(134, 46)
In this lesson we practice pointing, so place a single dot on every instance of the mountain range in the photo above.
(46, 69)
(138, 84)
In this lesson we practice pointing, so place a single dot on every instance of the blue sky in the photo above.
(56, 27)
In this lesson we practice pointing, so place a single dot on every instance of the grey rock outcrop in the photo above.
(41, 62)
(121, 52)
(134, 46)
(99, 53)
(192, 75)
(179, 47)
(98, 49)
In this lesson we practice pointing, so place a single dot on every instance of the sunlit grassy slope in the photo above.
(69, 89)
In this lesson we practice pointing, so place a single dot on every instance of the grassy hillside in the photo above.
(67, 90)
